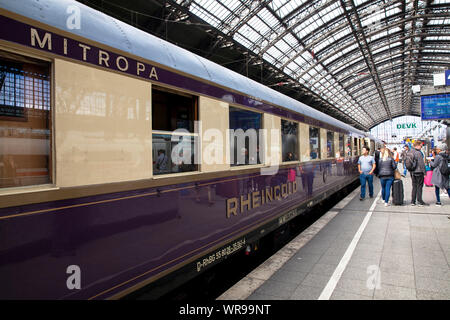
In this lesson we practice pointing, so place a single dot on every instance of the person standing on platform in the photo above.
(377, 158)
(440, 181)
(417, 173)
(396, 155)
(366, 166)
(386, 168)
(404, 152)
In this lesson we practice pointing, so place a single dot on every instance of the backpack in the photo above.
(445, 170)
(410, 162)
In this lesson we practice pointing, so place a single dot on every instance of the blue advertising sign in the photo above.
(447, 77)
(435, 106)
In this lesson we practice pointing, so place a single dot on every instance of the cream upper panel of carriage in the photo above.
(103, 126)
(104, 29)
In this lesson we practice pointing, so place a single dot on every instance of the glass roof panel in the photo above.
(257, 24)
(334, 56)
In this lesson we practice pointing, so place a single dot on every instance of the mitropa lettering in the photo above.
(255, 199)
(83, 52)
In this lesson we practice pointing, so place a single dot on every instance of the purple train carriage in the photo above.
(120, 166)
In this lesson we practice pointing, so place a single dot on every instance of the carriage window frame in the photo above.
(349, 147)
(318, 153)
(341, 145)
(182, 169)
(41, 99)
(355, 147)
(331, 154)
(297, 147)
(233, 151)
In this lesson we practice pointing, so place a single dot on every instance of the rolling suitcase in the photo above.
(397, 192)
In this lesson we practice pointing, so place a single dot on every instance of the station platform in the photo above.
(361, 250)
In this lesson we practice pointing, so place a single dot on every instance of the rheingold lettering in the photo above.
(249, 201)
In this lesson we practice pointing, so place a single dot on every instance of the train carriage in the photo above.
(105, 183)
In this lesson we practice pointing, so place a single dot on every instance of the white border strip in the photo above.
(331, 285)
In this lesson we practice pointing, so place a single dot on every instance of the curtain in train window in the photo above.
(25, 121)
(289, 140)
(244, 137)
(174, 136)
(330, 144)
(314, 143)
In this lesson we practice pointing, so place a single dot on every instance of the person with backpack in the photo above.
(386, 168)
(415, 164)
(441, 171)
(404, 152)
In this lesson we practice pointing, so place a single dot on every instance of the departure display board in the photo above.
(435, 107)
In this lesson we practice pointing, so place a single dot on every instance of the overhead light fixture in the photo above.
(439, 79)
(416, 88)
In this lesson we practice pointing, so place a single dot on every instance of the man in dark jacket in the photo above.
(417, 175)
(377, 158)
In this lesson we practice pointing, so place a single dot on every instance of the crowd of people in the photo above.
(385, 162)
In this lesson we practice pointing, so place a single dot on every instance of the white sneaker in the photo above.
(386, 204)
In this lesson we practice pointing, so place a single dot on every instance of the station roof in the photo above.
(355, 60)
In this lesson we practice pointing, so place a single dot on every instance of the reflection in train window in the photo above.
(349, 146)
(25, 121)
(173, 151)
(341, 145)
(330, 144)
(355, 146)
(289, 140)
(173, 110)
(314, 143)
(244, 137)
(173, 154)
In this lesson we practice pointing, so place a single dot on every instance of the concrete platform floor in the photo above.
(361, 250)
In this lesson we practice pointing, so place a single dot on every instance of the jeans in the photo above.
(386, 184)
(417, 185)
(363, 177)
(438, 197)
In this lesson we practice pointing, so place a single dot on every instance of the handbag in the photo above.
(397, 175)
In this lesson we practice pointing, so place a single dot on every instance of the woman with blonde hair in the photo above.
(387, 166)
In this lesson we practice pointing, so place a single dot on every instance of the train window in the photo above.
(289, 140)
(355, 146)
(341, 145)
(314, 143)
(173, 151)
(244, 137)
(173, 110)
(330, 144)
(349, 146)
(25, 121)
(173, 154)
